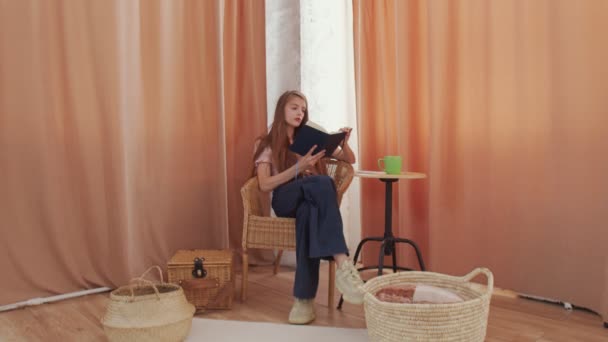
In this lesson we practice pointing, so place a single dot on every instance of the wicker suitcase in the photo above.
(207, 277)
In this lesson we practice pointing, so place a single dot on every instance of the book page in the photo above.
(316, 126)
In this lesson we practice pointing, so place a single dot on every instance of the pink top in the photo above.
(266, 157)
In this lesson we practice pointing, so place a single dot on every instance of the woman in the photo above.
(302, 189)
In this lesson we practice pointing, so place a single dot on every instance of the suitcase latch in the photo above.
(199, 271)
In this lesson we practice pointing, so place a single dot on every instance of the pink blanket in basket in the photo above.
(410, 293)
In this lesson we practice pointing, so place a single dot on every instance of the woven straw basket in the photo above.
(463, 321)
(147, 311)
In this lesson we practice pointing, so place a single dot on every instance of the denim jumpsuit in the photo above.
(313, 202)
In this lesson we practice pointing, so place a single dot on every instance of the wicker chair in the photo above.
(278, 233)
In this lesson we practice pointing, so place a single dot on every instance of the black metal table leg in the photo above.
(381, 257)
(418, 253)
(360, 246)
(389, 241)
(394, 258)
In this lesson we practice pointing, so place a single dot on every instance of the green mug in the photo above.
(392, 164)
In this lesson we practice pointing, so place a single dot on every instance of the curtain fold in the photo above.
(501, 104)
(122, 135)
(244, 58)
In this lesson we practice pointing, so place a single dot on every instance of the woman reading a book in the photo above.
(301, 189)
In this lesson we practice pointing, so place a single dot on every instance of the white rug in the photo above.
(237, 331)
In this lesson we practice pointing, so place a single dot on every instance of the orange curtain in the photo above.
(122, 135)
(502, 104)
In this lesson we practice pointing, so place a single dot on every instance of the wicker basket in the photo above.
(212, 287)
(147, 311)
(463, 321)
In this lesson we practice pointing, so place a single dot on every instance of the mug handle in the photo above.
(381, 166)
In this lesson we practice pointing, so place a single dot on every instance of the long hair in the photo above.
(277, 139)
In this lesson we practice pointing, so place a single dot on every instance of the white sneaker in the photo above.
(349, 283)
(302, 311)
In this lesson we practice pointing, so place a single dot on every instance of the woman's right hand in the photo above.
(309, 160)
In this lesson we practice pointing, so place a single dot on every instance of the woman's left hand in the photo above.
(347, 130)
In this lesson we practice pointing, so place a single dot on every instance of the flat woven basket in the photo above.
(463, 321)
(148, 311)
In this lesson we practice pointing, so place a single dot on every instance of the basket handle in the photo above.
(151, 283)
(478, 271)
(160, 273)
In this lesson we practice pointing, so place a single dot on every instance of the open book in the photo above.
(309, 136)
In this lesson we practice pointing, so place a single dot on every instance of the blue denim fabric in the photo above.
(313, 202)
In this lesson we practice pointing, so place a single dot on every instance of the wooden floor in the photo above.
(511, 318)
